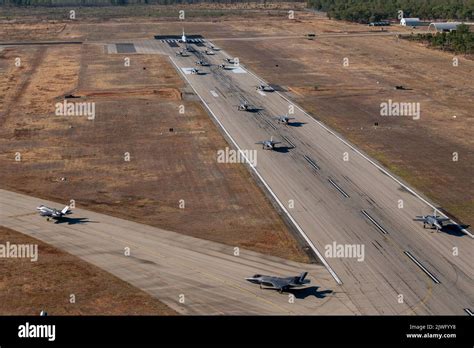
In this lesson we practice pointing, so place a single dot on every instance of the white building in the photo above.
(444, 26)
(410, 22)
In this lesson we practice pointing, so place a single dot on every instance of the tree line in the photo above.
(459, 41)
(376, 10)
(126, 2)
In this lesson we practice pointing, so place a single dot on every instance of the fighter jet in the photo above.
(52, 212)
(195, 71)
(214, 48)
(268, 144)
(202, 63)
(231, 60)
(284, 119)
(183, 38)
(227, 67)
(246, 107)
(182, 53)
(210, 52)
(280, 284)
(434, 221)
(265, 88)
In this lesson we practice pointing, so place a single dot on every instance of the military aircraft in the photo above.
(202, 63)
(210, 52)
(227, 67)
(434, 221)
(231, 60)
(265, 88)
(246, 107)
(214, 48)
(183, 38)
(52, 212)
(268, 144)
(182, 53)
(195, 71)
(278, 283)
(284, 119)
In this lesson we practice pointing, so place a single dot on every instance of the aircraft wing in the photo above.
(419, 218)
(278, 283)
(441, 219)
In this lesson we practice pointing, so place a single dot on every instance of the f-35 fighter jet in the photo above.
(278, 283)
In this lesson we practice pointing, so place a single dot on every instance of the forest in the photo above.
(365, 11)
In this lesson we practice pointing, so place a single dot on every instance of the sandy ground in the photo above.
(27, 288)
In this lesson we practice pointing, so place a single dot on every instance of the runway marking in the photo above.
(407, 253)
(338, 188)
(311, 162)
(382, 169)
(383, 230)
(282, 206)
(270, 124)
(289, 141)
(214, 94)
(468, 311)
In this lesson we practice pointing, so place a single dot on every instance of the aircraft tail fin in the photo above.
(65, 210)
(302, 276)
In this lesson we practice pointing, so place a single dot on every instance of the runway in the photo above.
(192, 276)
(341, 197)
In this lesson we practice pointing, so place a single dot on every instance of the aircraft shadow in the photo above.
(454, 230)
(282, 149)
(310, 291)
(74, 221)
(296, 124)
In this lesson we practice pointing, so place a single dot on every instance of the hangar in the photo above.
(444, 26)
(410, 22)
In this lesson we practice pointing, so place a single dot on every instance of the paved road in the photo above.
(168, 264)
(406, 269)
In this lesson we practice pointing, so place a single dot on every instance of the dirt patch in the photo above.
(27, 288)
(164, 93)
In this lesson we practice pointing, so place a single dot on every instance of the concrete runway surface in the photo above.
(341, 196)
(168, 265)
